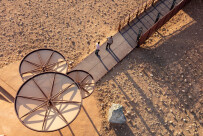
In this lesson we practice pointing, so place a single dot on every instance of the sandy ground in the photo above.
(159, 85)
(71, 27)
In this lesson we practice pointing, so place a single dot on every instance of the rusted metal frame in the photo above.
(35, 109)
(54, 107)
(40, 59)
(53, 64)
(39, 88)
(64, 101)
(34, 64)
(49, 58)
(45, 118)
(84, 78)
(33, 98)
(62, 91)
(52, 87)
(31, 71)
(85, 90)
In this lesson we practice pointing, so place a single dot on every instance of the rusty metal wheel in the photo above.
(40, 61)
(48, 102)
(84, 80)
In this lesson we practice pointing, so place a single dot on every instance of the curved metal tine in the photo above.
(37, 65)
(54, 107)
(84, 90)
(53, 64)
(65, 101)
(39, 88)
(84, 78)
(40, 59)
(62, 91)
(35, 109)
(45, 118)
(49, 58)
(52, 87)
(31, 71)
(33, 98)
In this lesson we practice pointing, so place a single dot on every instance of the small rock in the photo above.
(73, 43)
(116, 115)
(88, 42)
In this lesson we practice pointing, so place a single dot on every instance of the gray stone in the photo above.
(116, 115)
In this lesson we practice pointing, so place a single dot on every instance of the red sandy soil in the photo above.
(159, 85)
(71, 27)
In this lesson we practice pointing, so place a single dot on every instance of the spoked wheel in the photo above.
(40, 61)
(48, 102)
(84, 80)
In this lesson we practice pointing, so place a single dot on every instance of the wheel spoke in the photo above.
(53, 64)
(33, 98)
(32, 63)
(84, 78)
(64, 101)
(49, 58)
(62, 91)
(40, 59)
(82, 88)
(33, 110)
(52, 85)
(39, 88)
(54, 107)
(31, 71)
(45, 118)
